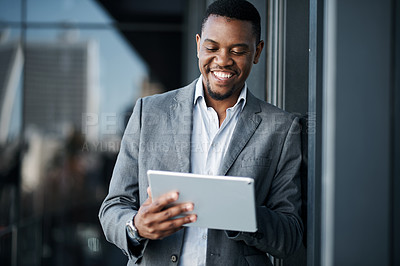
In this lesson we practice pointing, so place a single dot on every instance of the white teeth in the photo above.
(222, 75)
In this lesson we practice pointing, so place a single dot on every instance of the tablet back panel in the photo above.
(220, 202)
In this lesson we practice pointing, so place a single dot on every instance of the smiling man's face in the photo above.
(227, 49)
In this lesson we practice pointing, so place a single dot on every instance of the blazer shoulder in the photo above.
(166, 99)
(267, 109)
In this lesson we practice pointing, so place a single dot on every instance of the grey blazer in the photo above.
(265, 146)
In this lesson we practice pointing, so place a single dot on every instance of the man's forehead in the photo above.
(216, 27)
(211, 41)
(214, 22)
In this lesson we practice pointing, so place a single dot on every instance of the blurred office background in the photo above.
(71, 71)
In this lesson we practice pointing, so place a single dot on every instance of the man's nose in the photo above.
(223, 58)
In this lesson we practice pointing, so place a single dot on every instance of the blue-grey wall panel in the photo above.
(363, 128)
(396, 139)
(314, 132)
(257, 79)
(296, 56)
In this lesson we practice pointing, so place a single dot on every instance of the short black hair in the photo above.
(236, 9)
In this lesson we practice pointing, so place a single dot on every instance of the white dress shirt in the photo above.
(208, 148)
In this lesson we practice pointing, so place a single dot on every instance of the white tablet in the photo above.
(220, 202)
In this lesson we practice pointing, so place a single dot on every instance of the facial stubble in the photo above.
(218, 96)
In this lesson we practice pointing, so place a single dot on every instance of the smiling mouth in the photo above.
(222, 75)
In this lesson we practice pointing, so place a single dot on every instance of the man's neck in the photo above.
(220, 106)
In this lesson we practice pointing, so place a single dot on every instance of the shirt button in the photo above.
(174, 258)
(204, 236)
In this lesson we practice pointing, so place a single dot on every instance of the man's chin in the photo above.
(219, 96)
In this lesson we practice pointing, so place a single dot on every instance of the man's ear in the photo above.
(198, 40)
(259, 49)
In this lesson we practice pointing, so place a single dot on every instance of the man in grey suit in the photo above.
(212, 126)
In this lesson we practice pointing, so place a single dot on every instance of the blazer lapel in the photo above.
(180, 123)
(244, 130)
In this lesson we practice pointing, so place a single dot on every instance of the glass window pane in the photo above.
(78, 86)
(112, 79)
(10, 11)
(73, 11)
(11, 65)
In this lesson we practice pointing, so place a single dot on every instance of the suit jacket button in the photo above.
(174, 258)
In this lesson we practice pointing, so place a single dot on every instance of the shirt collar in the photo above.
(199, 93)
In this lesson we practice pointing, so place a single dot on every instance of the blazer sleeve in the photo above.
(122, 201)
(280, 228)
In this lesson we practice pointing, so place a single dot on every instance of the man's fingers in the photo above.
(174, 211)
(177, 223)
(149, 193)
(161, 202)
(161, 235)
(149, 199)
(155, 221)
(171, 226)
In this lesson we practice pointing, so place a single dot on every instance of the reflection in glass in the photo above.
(67, 11)
(78, 87)
(11, 66)
(72, 139)
(10, 11)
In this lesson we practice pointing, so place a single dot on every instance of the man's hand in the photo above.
(153, 220)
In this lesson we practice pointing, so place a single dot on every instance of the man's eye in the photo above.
(238, 52)
(210, 49)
